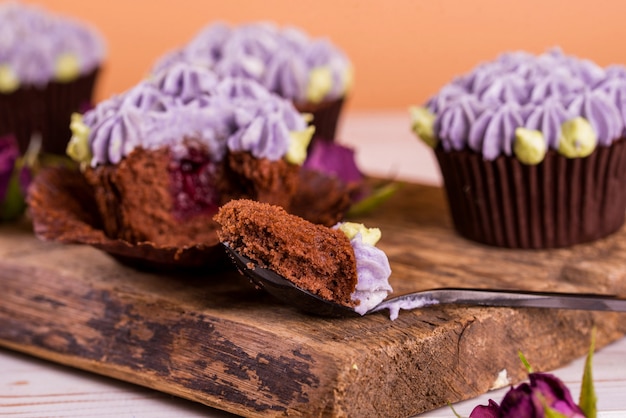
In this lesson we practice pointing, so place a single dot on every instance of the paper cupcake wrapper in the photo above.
(29, 110)
(325, 117)
(64, 209)
(60, 101)
(558, 203)
(21, 114)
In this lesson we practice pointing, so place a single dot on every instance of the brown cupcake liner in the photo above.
(45, 110)
(21, 114)
(60, 101)
(325, 117)
(557, 203)
(63, 209)
(321, 199)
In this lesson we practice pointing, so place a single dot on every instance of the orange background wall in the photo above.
(403, 50)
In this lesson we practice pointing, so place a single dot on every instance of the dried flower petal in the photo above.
(331, 158)
(9, 153)
(544, 396)
(13, 182)
(492, 410)
(521, 402)
(554, 394)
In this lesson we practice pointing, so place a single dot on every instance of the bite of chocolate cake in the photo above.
(339, 264)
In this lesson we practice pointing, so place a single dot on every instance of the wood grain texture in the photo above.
(216, 340)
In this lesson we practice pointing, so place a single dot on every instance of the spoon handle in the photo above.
(505, 298)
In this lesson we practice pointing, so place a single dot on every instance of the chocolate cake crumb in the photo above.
(314, 257)
(136, 200)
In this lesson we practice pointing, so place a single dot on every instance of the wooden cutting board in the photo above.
(215, 339)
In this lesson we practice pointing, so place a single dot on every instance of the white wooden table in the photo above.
(30, 387)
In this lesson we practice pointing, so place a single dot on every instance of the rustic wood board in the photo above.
(216, 340)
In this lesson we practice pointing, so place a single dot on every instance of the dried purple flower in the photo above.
(14, 179)
(545, 396)
(17, 172)
(544, 392)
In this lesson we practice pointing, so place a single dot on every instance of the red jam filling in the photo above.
(193, 180)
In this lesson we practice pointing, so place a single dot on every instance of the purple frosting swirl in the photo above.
(455, 121)
(185, 81)
(373, 271)
(188, 103)
(548, 117)
(481, 110)
(31, 41)
(504, 89)
(206, 48)
(598, 108)
(615, 87)
(281, 59)
(493, 132)
(447, 94)
(555, 85)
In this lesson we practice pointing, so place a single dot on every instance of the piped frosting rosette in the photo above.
(372, 266)
(313, 73)
(284, 60)
(188, 101)
(523, 105)
(531, 149)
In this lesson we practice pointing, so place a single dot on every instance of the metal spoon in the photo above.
(289, 293)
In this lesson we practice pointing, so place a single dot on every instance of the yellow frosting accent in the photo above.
(423, 125)
(308, 117)
(530, 146)
(8, 80)
(67, 68)
(78, 146)
(297, 151)
(347, 76)
(368, 235)
(578, 139)
(320, 83)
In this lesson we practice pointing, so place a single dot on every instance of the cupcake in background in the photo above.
(312, 73)
(48, 68)
(531, 149)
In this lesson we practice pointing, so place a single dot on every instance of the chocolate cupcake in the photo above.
(313, 73)
(48, 68)
(165, 155)
(531, 149)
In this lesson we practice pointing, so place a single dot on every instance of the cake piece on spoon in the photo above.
(340, 264)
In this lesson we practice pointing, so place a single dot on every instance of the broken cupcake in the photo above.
(165, 155)
(339, 264)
